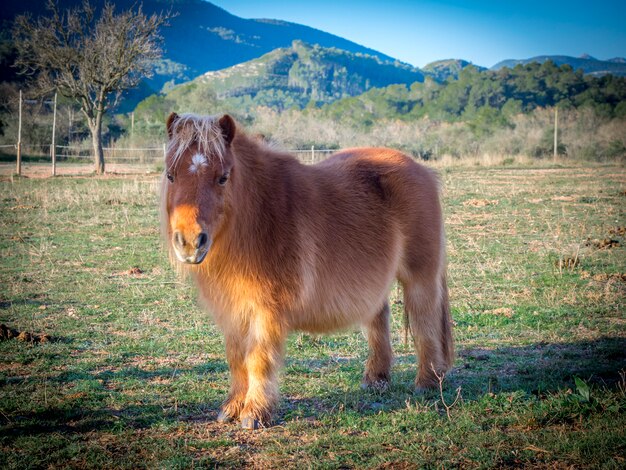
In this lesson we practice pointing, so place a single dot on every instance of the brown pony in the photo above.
(277, 246)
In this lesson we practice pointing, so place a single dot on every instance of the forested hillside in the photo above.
(508, 112)
(317, 78)
(441, 70)
(489, 98)
(295, 77)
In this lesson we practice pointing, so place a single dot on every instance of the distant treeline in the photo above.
(483, 99)
(474, 112)
(488, 99)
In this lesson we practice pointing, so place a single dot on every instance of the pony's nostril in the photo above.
(201, 240)
(179, 240)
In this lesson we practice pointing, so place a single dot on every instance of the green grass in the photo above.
(136, 371)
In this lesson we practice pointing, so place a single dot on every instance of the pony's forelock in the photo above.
(205, 131)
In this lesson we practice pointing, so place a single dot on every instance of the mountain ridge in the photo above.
(204, 36)
(589, 65)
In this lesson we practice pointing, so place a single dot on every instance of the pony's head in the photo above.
(196, 183)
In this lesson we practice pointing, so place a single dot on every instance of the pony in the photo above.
(276, 246)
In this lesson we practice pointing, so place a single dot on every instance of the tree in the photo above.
(90, 59)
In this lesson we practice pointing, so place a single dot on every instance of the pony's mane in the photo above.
(205, 131)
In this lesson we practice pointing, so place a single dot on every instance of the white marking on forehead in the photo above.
(197, 161)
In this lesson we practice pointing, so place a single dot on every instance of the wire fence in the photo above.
(82, 154)
(312, 155)
(134, 155)
(85, 152)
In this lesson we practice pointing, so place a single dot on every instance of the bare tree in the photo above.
(90, 58)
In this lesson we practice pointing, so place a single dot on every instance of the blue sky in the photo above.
(483, 32)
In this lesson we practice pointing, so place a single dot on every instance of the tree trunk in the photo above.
(96, 137)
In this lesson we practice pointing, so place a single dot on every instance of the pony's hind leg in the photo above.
(235, 355)
(378, 367)
(427, 309)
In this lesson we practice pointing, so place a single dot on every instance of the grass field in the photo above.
(133, 372)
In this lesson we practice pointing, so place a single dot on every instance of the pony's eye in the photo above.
(170, 177)
(223, 179)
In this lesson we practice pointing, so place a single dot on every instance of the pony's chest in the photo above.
(235, 296)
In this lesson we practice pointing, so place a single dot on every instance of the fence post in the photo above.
(19, 139)
(556, 133)
(164, 152)
(69, 128)
(312, 153)
(53, 150)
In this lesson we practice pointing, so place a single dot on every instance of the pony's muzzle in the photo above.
(190, 249)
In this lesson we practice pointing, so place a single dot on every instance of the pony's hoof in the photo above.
(424, 388)
(250, 423)
(376, 386)
(223, 417)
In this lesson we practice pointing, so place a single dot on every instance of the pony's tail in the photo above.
(447, 341)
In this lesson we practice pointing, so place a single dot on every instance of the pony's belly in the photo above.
(325, 322)
(327, 313)
(336, 295)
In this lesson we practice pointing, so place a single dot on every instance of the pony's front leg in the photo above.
(263, 359)
(235, 355)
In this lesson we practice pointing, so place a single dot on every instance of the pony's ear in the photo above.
(170, 124)
(228, 126)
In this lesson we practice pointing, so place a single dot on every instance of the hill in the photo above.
(441, 70)
(291, 77)
(589, 65)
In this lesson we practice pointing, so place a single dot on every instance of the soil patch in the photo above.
(502, 312)
(24, 336)
(480, 203)
(567, 262)
(135, 271)
(602, 244)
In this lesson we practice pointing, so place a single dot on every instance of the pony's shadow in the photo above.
(88, 411)
(536, 369)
